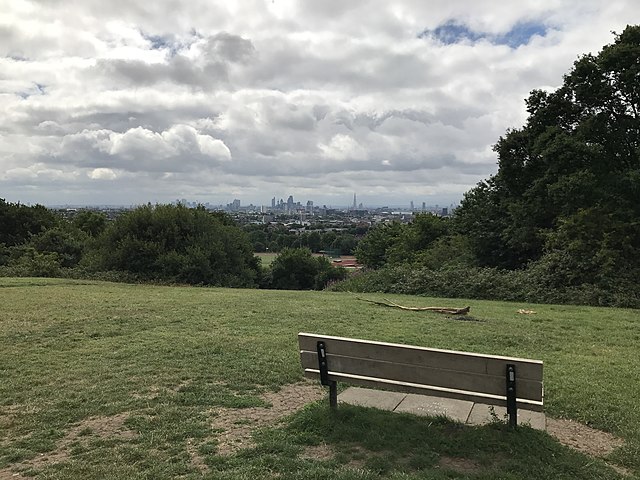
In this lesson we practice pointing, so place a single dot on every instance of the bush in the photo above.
(67, 243)
(297, 269)
(28, 262)
(529, 285)
(176, 244)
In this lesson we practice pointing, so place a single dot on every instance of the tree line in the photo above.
(152, 243)
(277, 237)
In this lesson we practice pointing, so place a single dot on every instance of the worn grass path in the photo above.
(103, 380)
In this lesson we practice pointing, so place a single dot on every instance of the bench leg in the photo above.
(333, 395)
(512, 406)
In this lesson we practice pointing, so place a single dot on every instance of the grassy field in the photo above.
(266, 258)
(102, 380)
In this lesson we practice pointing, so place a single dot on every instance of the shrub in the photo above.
(528, 285)
(28, 262)
(176, 244)
(297, 269)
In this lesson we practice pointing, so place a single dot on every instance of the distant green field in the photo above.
(104, 380)
(266, 258)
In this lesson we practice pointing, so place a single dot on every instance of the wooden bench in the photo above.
(487, 379)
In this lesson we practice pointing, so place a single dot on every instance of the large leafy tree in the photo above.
(395, 243)
(568, 181)
(375, 248)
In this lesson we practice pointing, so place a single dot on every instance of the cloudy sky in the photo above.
(125, 102)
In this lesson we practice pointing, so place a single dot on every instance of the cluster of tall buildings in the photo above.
(292, 207)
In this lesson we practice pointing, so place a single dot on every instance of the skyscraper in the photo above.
(354, 201)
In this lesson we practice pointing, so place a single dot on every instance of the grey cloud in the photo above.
(356, 68)
(375, 120)
(178, 69)
(209, 70)
(232, 48)
(290, 116)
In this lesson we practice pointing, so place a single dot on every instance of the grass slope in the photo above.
(164, 356)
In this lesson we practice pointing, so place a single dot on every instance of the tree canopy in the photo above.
(392, 243)
(568, 181)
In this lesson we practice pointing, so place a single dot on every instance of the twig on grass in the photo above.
(447, 310)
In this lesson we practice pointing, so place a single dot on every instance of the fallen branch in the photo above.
(447, 310)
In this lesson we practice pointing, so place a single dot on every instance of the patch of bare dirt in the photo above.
(459, 465)
(237, 425)
(154, 391)
(358, 457)
(102, 427)
(9, 413)
(151, 393)
(317, 452)
(7, 475)
(196, 459)
(585, 439)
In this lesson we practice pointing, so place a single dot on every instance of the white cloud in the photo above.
(343, 147)
(135, 102)
(102, 174)
(179, 148)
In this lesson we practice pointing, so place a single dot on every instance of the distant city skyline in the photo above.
(274, 201)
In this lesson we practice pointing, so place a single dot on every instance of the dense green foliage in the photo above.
(277, 237)
(562, 213)
(528, 285)
(297, 269)
(394, 243)
(568, 182)
(160, 243)
(36, 241)
(178, 244)
(20, 222)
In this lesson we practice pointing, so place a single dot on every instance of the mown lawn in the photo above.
(164, 359)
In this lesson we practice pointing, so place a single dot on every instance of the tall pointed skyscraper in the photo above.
(354, 202)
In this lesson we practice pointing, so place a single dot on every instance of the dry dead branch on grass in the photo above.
(447, 310)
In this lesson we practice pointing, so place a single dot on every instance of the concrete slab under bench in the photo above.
(463, 411)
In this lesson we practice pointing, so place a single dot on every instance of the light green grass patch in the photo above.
(266, 258)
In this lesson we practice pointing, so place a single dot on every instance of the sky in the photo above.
(123, 102)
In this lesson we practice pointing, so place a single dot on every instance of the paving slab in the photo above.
(481, 415)
(427, 405)
(460, 410)
(366, 397)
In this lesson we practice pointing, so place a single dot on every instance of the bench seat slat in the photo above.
(407, 387)
(430, 374)
(413, 355)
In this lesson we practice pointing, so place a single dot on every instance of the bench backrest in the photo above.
(444, 373)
